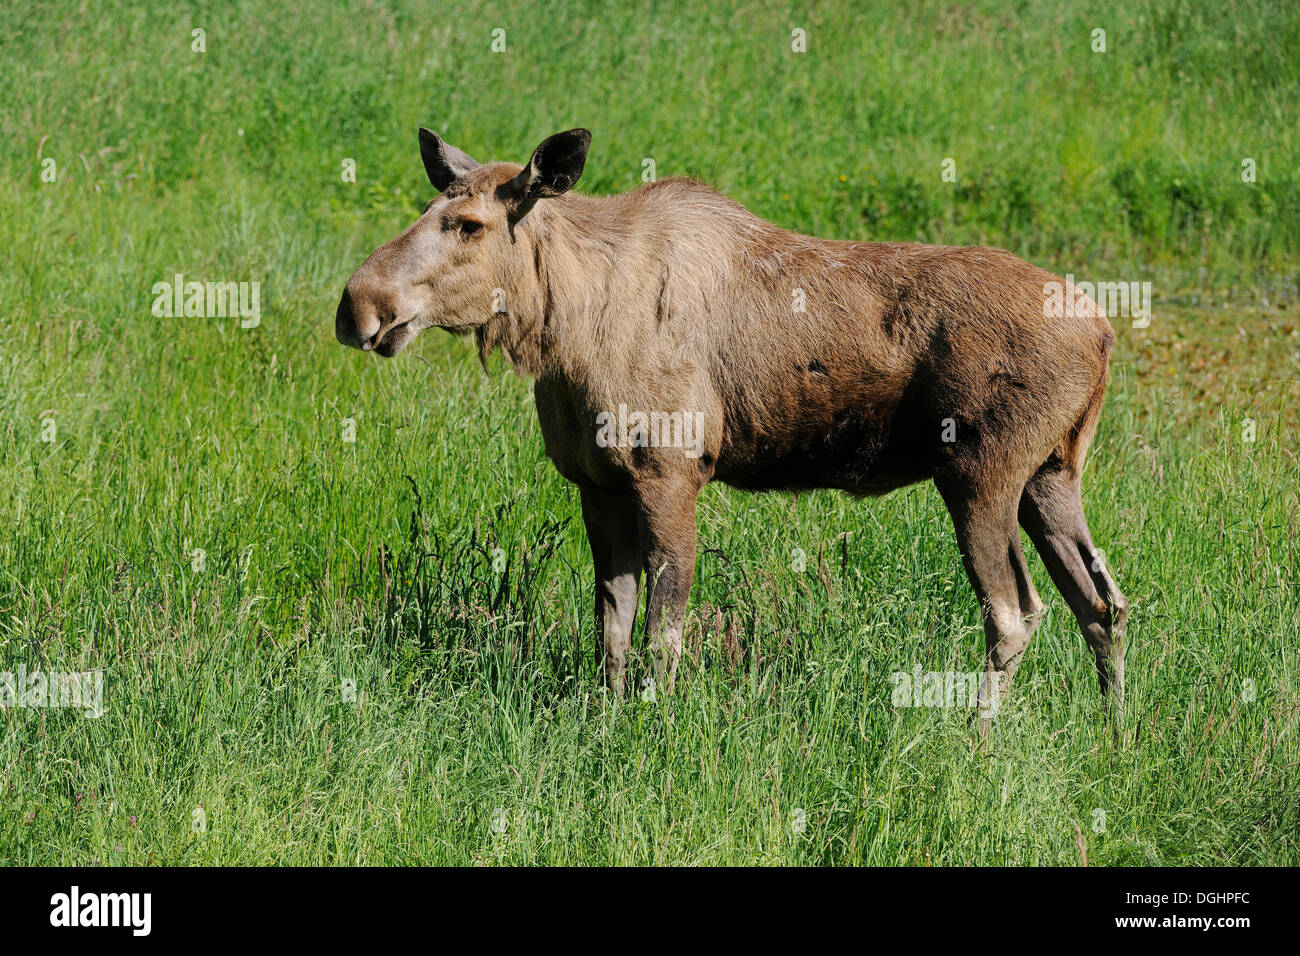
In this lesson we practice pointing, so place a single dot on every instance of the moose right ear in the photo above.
(555, 167)
(443, 162)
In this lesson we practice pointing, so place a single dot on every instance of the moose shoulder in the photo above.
(675, 338)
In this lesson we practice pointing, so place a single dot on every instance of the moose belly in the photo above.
(864, 447)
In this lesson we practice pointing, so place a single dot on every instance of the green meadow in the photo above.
(341, 607)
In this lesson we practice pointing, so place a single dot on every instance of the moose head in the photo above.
(458, 265)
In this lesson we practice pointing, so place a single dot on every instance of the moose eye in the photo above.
(470, 227)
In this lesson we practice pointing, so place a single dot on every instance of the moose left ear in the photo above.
(443, 162)
(555, 167)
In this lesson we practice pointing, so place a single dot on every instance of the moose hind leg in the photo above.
(991, 553)
(1051, 511)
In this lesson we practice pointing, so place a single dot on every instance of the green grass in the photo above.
(372, 561)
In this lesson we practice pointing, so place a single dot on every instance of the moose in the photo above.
(807, 363)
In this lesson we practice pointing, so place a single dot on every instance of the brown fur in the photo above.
(672, 297)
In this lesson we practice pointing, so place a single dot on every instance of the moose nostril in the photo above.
(344, 322)
(355, 322)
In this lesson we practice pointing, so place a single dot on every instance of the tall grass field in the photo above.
(341, 607)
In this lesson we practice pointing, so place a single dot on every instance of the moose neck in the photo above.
(556, 297)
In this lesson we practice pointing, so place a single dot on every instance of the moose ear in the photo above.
(555, 167)
(443, 162)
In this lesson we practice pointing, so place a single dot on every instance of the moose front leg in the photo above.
(611, 520)
(667, 530)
